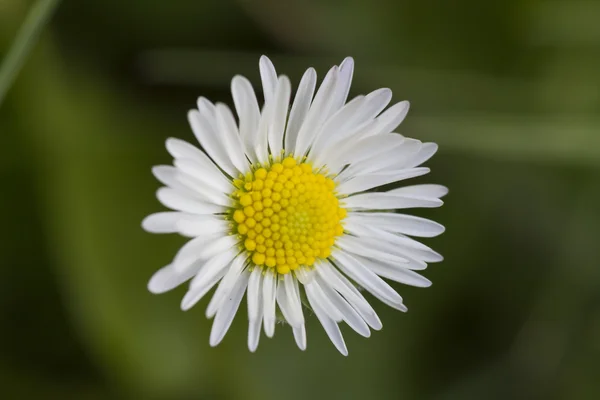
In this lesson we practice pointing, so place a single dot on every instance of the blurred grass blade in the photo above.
(39, 14)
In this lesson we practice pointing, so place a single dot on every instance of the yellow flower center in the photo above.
(287, 215)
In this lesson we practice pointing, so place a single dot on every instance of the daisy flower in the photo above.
(286, 205)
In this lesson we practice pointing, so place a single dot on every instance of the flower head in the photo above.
(280, 206)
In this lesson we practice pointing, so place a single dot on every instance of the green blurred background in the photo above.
(509, 89)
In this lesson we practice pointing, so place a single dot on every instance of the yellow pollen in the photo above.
(287, 215)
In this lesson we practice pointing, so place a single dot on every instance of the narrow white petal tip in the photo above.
(188, 301)
(269, 327)
(344, 351)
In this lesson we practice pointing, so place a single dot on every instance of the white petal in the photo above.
(168, 278)
(280, 110)
(404, 246)
(343, 84)
(253, 334)
(371, 248)
(268, 75)
(397, 274)
(402, 223)
(370, 181)
(391, 159)
(364, 148)
(349, 315)
(369, 280)
(231, 138)
(331, 327)
(248, 112)
(317, 113)
(163, 222)
(228, 310)
(195, 295)
(211, 177)
(203, 225)
(226, 285)
(426, 152)
(300, 108)
(269, 296)
(425, 190)
(314, 289)
(300, 336)
(255, 295)
(388, 201)
(210, 141)
(177, 201)
(203, 248)
(210, 273)
(286, 299)
(391, 118)
(368, 314)
(335, 129)
(261, 146)
(181, 149)
(348, 290)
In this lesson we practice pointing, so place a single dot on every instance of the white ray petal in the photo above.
(349, 314)
(210, 273)
(269, 298)
(279, 117)
(203, 225)
(254, 334)
(268, 76)
(248, 112)
(175, 200)
(370, 181)
(365, 148)
(405, 246)
(168, 278)
(371, 248)
(402, 223)
(210, 141)
(427, 151)
(217, 263)
(211, 177)
(396, 274)
(230, 136)
(286, 300)
(300, 108)
(228, 310)
(346, 70)
(369, 280)
(195, 295)
(314, 289)
(317, 113)
(391, 159)
(346, 289)
(255, 308)
(255, 295)
(226, 285)
(202, 248)
(425, 190)
(339, 125)
(389, 201)
(300, 336)
(390, 118)
(163, 222)
(181, 149)
(331, 327)
(368, 314)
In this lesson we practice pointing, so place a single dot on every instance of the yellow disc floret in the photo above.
(287, 215)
